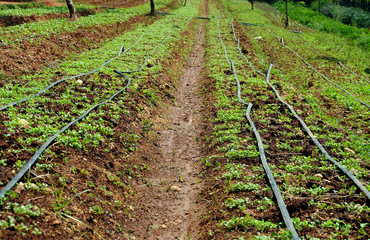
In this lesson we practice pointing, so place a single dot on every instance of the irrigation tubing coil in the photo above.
(122, 50)
(304, 125)
(38, 153)
(284, 212)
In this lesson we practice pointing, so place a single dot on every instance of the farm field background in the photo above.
(209, 120)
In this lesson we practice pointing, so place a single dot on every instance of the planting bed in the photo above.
(226, 126)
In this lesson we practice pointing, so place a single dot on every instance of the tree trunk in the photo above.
(152, 8)
(286, 14)
(72, 10)
(252, 3)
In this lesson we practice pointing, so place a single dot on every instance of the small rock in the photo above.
(23, 122)
(163, 226)
(258, 38)
(348, 150)
(80, 82)
(32, 185)
(19, 188)
(319, 175)
(175, 188)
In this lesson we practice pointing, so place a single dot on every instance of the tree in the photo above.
(286, 14)
(252, 3)
(72, 10)
(152, 8)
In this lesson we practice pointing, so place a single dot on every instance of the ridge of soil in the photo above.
(17, 20)
(52, 50)
(114, 3)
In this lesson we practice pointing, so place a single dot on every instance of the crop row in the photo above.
(42, 10)
(315, 192)
(110, 131)
(65, 25)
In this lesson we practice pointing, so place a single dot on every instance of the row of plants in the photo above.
(106, 17)
(239, 195)
(113, 133)
(327, 101)
(22, 6)
(298, 167)
(339, 141)
(318, 21)
(42, 10)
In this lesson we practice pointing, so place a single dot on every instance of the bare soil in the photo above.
(17, 20)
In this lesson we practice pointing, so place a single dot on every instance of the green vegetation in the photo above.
(320, 22)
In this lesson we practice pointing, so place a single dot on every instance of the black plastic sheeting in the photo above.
(38, 153)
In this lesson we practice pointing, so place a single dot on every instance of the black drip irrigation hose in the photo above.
(252, 24)
(222, 42)
(69, 78)
(284, 212)
(109, 8)
(146, 59)
(318, 144)
(322, 75)
(275, 188)
(240, 51)
(342, 168)
(164, 13)
(336, 59)
(38, 153)
(29, 37)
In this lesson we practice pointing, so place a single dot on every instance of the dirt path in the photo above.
(181, 150)
(171, 207)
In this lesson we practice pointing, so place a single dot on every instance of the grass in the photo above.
(320, 22)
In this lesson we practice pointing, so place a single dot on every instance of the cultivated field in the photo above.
(207, 121)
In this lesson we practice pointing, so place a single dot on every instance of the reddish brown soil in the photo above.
(26, 57)
(29, 57)
(129, 213)
(298, 205)
(17, 20)
(114, 3)
(49, 3)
